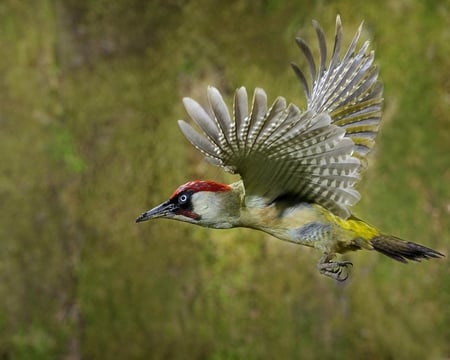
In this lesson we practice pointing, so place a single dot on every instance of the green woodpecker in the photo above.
(298, 168)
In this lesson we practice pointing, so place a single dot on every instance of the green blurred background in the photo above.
(90, 92)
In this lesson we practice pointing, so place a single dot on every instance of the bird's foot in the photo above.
(337, 270)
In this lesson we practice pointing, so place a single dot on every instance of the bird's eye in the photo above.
(183, 199)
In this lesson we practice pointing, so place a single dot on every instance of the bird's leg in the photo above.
(338, 270)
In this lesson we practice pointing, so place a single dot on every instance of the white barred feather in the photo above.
(315, 155)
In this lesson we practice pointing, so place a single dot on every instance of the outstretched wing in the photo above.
(283, 151)
(277, 152)
(348, 89)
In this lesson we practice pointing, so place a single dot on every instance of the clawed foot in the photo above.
(338, 270)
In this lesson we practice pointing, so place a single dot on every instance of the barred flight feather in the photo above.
(221, 115)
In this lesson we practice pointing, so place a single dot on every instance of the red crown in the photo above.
(201, 185)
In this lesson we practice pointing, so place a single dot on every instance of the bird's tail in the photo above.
(401, 250)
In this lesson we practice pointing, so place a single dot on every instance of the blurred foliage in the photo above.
(89, 95)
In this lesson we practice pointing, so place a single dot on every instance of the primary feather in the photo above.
(314, 155)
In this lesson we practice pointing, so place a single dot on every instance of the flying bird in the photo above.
(298, 168)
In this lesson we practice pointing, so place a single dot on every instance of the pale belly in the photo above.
(303, 224)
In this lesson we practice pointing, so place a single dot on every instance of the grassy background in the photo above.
(89, 95)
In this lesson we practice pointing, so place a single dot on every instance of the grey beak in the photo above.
(164, 210)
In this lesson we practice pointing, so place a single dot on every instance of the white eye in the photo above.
(182, 199)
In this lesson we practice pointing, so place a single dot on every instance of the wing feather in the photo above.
(221, 114)
(323, 48)
(257, 116)
(200, 142)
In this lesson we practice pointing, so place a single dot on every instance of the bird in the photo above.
(298, 167)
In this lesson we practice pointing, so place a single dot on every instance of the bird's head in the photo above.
(204, 203)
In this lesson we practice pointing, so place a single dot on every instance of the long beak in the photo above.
(164, 210)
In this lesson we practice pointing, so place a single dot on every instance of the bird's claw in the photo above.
(337, 270)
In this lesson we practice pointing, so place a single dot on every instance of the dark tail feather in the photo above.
(401, 250)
